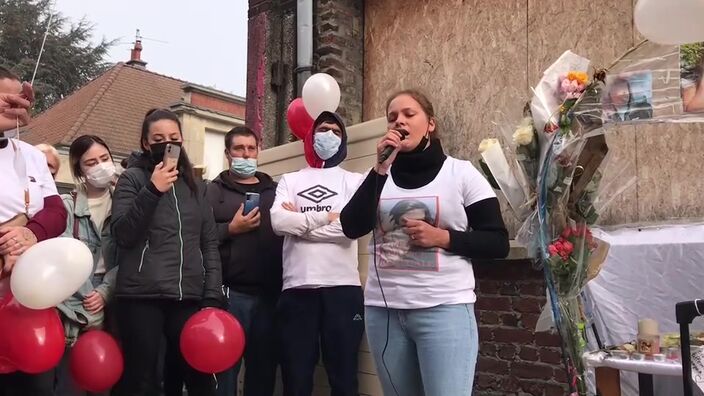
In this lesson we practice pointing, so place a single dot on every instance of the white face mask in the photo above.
(326, 144)
(101, 175)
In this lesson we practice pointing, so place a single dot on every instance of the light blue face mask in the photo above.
(326, 144)
(244, 167)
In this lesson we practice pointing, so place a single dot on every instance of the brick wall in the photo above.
(217, 104)
(271, 60)
(338, 41)
(338, 49)
(513, 358)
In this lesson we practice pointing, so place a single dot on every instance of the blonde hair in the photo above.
(52, 155)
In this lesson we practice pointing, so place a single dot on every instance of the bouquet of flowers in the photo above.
(561, 164)
(568, 254)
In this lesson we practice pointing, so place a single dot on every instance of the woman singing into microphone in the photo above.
(431, 214)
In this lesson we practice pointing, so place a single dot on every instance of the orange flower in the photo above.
(580, 77)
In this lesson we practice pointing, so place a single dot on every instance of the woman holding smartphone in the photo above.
(168, 260)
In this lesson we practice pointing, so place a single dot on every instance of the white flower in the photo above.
(524, 133)
(486, 144)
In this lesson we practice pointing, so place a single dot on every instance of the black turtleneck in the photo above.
(418, 168)
(486, 235)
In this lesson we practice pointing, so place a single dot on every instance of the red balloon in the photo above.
(5, 293)
(212, 341)
(6, 364)
(35, 338)
(96, 361)
(298, 118)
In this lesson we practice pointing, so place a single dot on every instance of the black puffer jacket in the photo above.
(167, 244)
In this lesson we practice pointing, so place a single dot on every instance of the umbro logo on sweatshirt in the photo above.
(317, 193)
(357, 317)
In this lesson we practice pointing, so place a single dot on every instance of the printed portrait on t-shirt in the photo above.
(395, 249)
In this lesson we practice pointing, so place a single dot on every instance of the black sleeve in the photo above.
(212, 284)
(486, 236)
(359, 215)
(213, 194)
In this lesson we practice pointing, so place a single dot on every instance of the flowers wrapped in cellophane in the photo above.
(558, 155)
(503, 174)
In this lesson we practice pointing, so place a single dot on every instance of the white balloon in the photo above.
(50, 272)
(670, 21)
(320, 93)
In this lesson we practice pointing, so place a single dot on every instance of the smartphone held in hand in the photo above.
(171, 155)
(251, 202)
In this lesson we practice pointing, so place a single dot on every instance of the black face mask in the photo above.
(157, 150)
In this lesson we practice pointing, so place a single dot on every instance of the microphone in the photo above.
(389, 149)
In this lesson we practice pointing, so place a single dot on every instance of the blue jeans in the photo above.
(257, 315)
(431, 351)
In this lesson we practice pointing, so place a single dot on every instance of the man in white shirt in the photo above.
(30, 207)
(321, 305)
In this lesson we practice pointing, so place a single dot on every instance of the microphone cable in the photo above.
(381, 288)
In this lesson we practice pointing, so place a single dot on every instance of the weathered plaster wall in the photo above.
(474, 57)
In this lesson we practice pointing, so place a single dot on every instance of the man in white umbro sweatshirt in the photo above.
(322, 302)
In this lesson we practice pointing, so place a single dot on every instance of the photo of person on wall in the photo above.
(691, 68)
(628, 97)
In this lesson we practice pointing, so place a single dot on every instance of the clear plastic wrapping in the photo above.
(562, 156)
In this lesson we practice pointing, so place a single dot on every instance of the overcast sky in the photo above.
(206, 40)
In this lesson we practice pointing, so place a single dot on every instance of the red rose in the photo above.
(568, 247)
(552, 250)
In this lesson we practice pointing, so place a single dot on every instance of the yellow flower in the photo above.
(579, 76)
(486, 144)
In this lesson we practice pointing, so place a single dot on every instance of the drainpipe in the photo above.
(304, 43)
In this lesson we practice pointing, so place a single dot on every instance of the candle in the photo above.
(648, 337)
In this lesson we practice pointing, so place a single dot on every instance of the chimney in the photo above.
(136, 53)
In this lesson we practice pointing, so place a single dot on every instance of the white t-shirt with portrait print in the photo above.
(14, 179)
(414, 277)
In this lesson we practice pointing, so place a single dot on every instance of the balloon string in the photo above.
(41, 50)
(215, 377)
